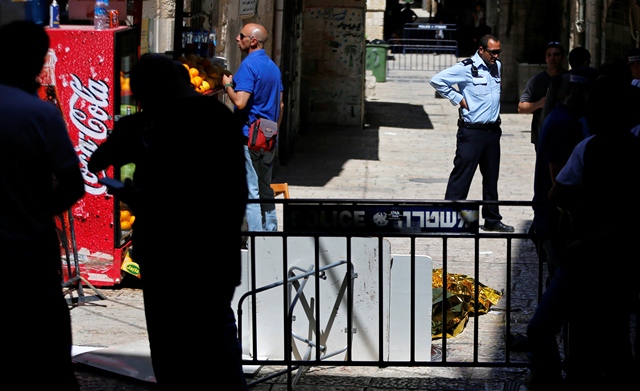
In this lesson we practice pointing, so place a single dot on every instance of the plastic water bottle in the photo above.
(101, 15)
(54, 15)
(196, 42)
(203, 50)
(189, 41)
(211, 44)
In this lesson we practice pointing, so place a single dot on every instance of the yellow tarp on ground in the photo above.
(459, 304)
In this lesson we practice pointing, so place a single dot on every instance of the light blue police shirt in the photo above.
(482, 93)
(571, 173)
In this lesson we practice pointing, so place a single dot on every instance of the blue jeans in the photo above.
(259, 165)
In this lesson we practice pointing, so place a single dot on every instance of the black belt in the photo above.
(480, 126)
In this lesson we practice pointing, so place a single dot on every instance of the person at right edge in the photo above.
(594, 297)
(479, 132)
(256, 91)
(40, 178)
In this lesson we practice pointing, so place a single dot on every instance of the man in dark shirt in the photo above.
(535, 92)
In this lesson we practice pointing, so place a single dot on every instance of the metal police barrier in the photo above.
(423, 47)
(349, 283)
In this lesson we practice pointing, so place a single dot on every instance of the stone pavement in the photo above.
(404, 152)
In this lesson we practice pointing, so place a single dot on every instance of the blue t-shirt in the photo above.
(559, 134)
(261, 77)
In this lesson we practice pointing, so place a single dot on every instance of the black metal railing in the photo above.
(349, 283)
(423, 47)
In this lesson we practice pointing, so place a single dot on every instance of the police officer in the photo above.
(478, 137)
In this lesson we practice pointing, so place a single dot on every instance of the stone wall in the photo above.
(333, 71)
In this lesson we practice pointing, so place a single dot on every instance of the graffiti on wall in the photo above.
(333, 68)
(343, 33)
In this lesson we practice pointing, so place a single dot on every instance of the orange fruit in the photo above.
(194, 72)
(125, 225)
(196, 81)
(125, 215)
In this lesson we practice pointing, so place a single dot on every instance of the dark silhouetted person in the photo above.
(481, 30)
(563, 129)
(392, 21)
(478, 13)
(633, 62)
(479, 132)
(407, 15)
(633, 59)
(187, 245)
(39, 178)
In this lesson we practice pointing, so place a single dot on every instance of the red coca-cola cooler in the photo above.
(86, 74)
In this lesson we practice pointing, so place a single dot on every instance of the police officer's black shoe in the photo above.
(497, 226)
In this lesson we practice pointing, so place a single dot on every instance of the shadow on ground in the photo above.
(396, 115)
(320, 153)
(324, 149)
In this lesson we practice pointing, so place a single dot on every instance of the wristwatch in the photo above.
(227, 86)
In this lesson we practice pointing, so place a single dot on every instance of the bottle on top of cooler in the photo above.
(101, 15)
(54, 15)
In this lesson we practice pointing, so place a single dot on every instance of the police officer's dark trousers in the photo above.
(476, 147)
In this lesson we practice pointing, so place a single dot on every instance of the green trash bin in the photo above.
(376, 61)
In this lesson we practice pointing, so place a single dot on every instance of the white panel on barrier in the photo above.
(400, 314)
(365, 257)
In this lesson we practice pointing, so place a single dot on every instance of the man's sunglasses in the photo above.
(495, 52)
(242, 36)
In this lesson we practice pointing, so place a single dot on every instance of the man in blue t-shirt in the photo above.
(256, 91)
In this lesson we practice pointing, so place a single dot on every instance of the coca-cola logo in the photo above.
(88, 112)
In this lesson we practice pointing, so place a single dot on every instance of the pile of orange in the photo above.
(126, 219)
(205, 75)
